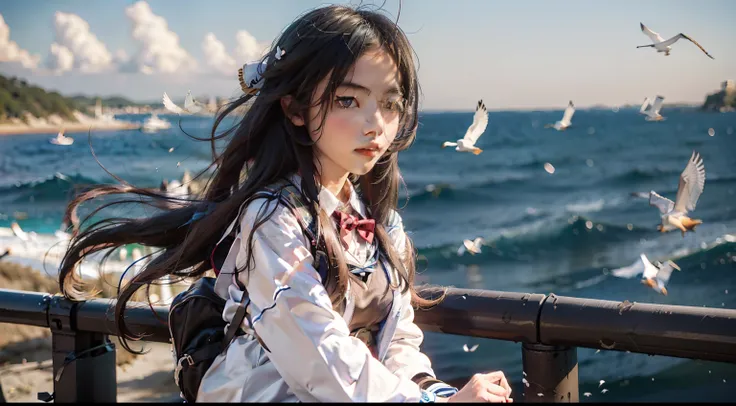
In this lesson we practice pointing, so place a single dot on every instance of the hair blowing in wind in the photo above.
(265, 146)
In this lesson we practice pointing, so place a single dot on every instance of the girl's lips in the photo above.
(367, 152)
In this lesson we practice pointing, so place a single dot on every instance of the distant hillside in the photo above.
(111, 102)
(18, 97)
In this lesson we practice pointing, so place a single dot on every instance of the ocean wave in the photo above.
(636, 175)
(54, 187)
(640, 175)
(472, 190)
(537, 239)
(586, 207)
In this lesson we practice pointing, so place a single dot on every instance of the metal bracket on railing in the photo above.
(84, 362)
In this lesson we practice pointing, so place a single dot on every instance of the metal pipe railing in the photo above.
(21, 307)
(507, 316)
(550, 329)
(678, 331)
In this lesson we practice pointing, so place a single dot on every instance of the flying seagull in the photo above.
(473, 247)
(190, 106)
(655, 275)
(566, 118)
(666, 46)
(467, 143)
(674, 214)
(652, 114)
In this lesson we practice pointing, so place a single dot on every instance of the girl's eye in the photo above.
(394, 105)
(345, 102)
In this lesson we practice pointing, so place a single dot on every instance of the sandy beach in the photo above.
(25, 352)
(53, 124)
(148, 378)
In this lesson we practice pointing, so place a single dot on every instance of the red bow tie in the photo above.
(349, 223)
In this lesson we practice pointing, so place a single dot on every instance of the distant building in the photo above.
(728, 86)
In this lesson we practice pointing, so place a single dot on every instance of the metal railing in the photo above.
(549, 327)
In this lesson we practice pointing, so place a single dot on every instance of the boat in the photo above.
(154, 123)
(61, 139)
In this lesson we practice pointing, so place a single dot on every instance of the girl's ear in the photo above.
(296, 119)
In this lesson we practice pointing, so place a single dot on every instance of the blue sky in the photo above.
(513, 54)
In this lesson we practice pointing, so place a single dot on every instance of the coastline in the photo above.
(70, 127)
(53, 124)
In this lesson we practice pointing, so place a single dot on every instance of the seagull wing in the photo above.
(665, 271)
(681, 35)
(190, 105)
(664, 204)
(650, 271)
(644, 106)
(470, 247)
(171, 106)
(656, 38)
(480, 122)
(629, 271)
(657, 105)
(569, 111)
(19, 231)
(692, 182)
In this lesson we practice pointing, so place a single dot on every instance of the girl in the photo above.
(336, 101)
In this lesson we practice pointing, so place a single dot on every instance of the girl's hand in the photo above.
(491, 387)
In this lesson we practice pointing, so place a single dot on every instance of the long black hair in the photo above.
(264, 147)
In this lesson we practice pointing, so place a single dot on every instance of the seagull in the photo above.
(566, 118)
(61, 139)
(674, 214)
(473, 247)
(22, 235)
(470, 349)
(653, 112)
(666, 46)
(655, 275)
(467, 143)
(190, 106)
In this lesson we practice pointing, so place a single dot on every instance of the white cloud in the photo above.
(247, 49)
(216, 56)
(160, 51)
(61, 59)
(11, 52)
(76, 47)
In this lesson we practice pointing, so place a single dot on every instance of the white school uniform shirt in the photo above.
(312, 356)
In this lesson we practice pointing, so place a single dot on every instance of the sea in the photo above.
(562, 231)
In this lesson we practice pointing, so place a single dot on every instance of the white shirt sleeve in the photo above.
(309, 342)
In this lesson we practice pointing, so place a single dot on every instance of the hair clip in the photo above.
(250, 75)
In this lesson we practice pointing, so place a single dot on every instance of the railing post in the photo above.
(551, 373)
(84, 362)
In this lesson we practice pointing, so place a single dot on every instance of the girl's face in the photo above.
(362, 120)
